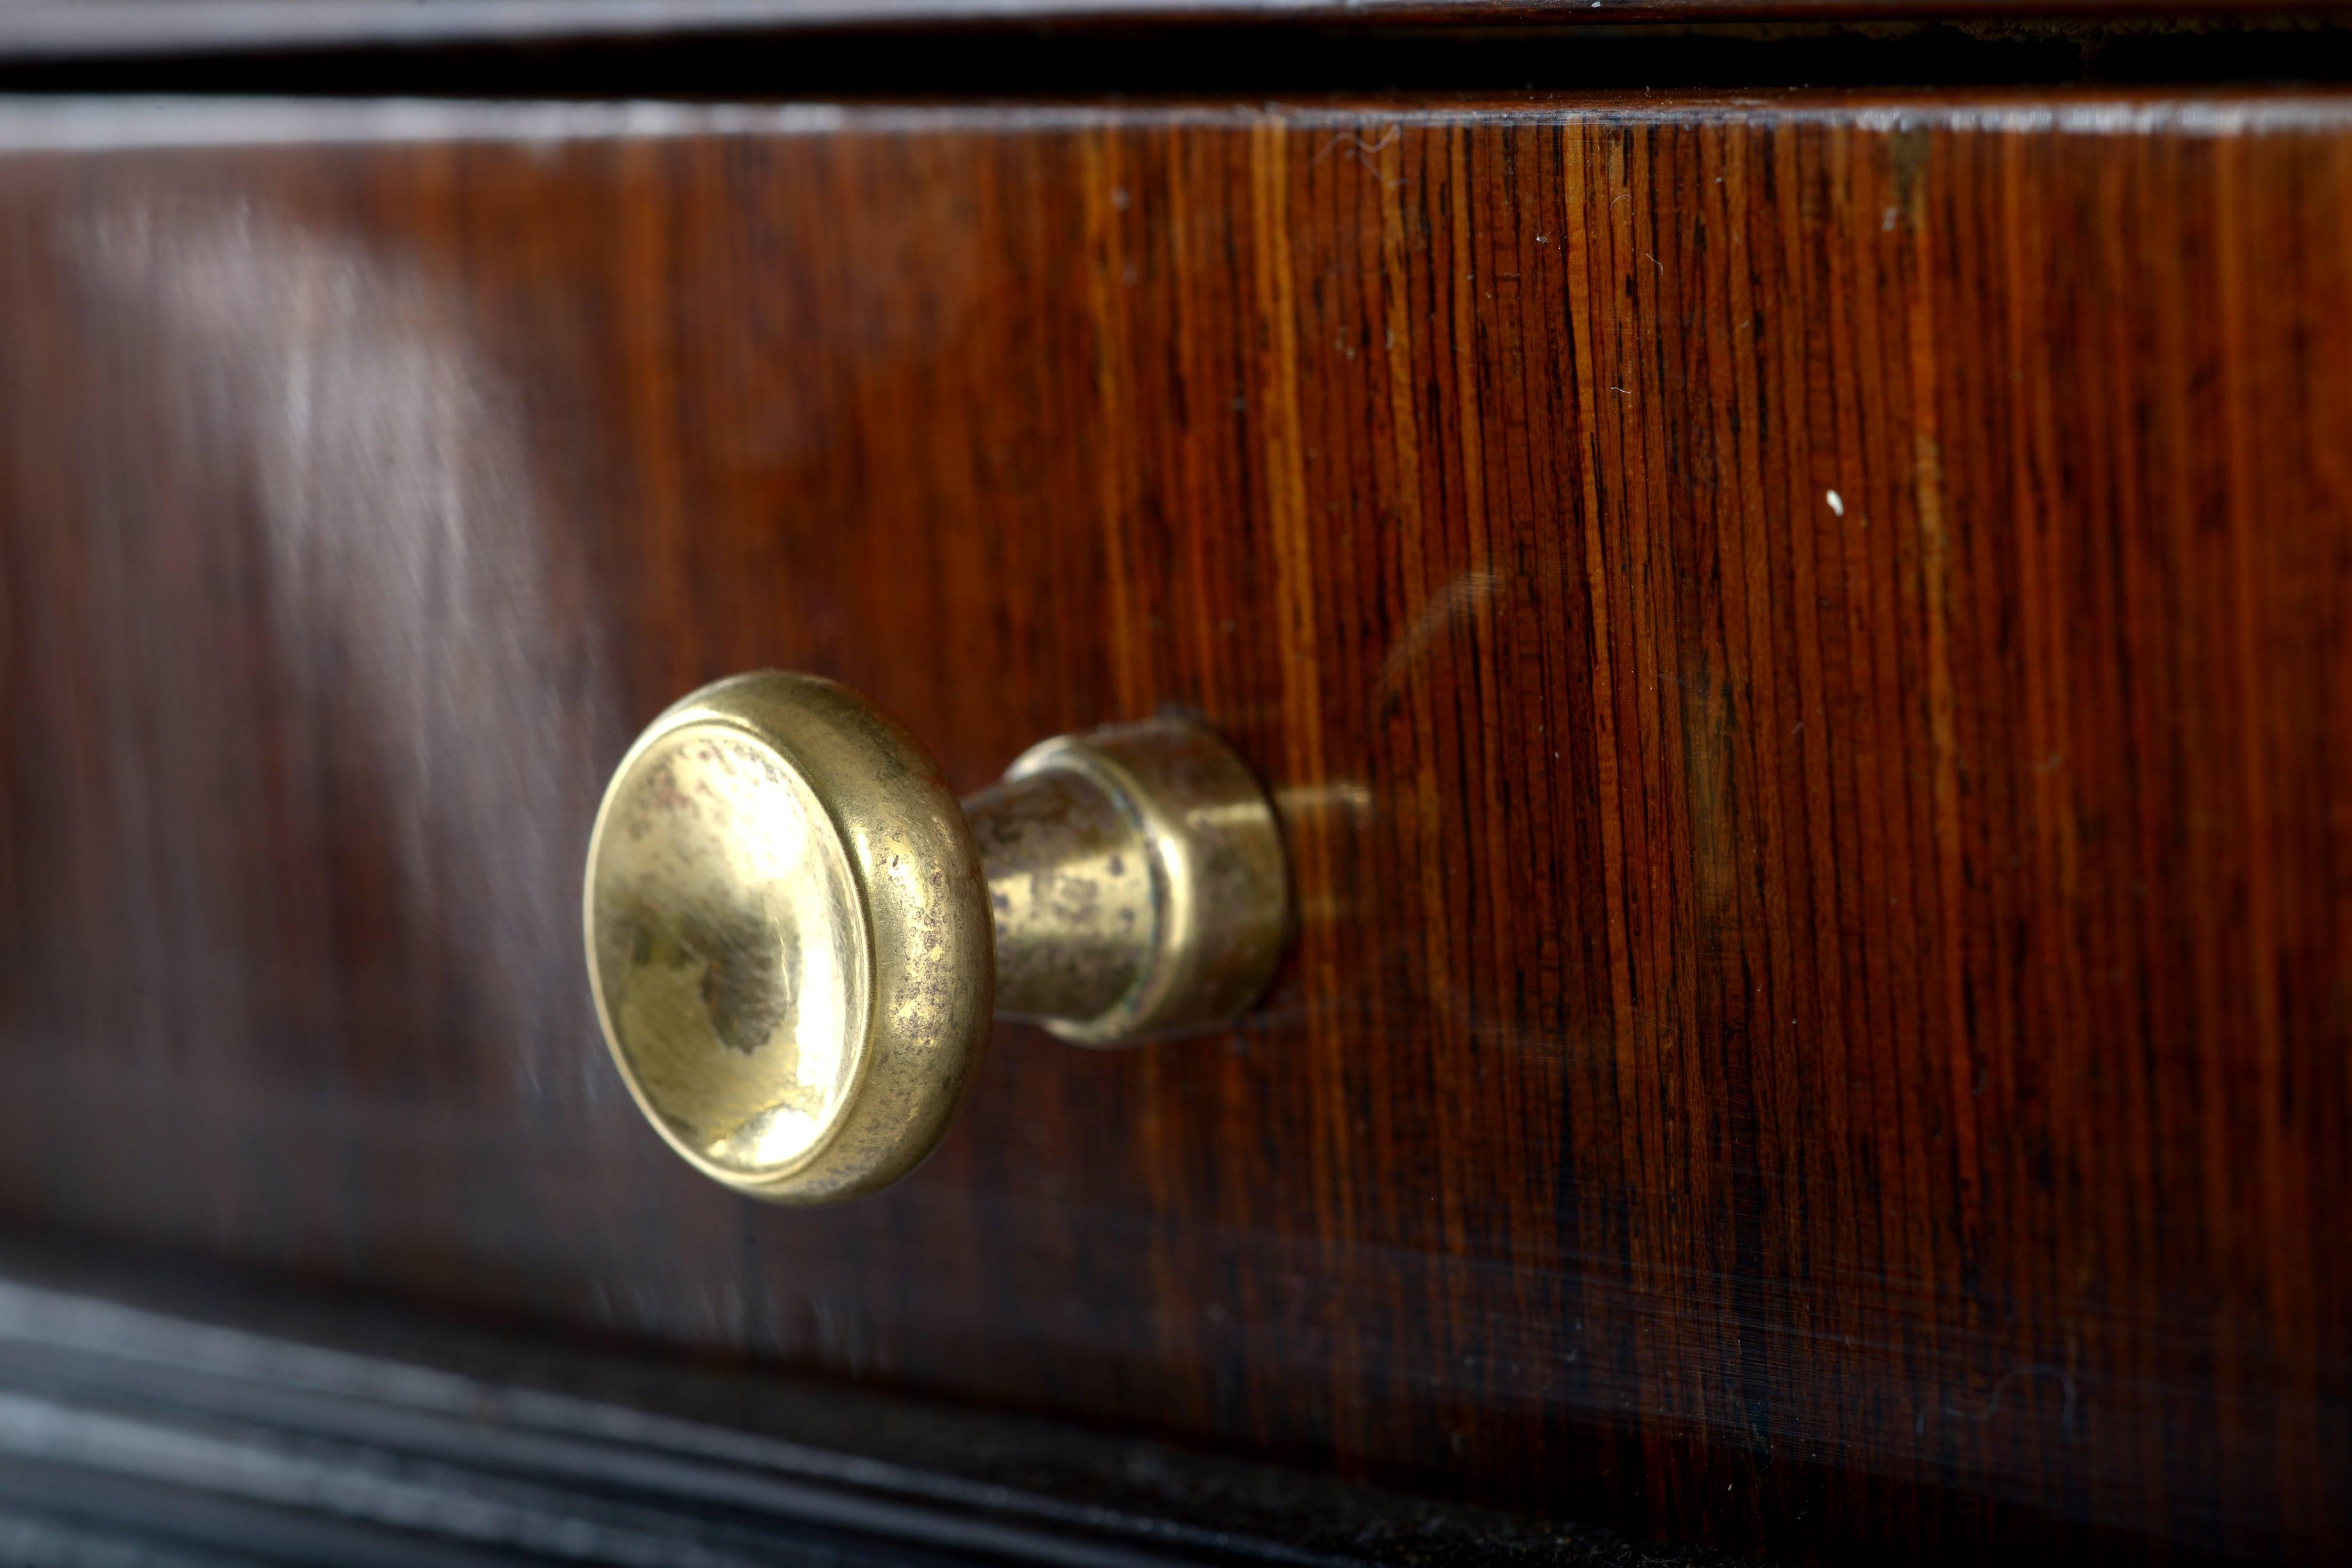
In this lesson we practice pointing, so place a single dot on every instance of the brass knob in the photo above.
(797, 937)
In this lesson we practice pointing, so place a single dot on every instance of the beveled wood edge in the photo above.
(173, 1407)
(102, 123)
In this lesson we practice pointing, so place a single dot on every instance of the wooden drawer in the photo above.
(1799, 640)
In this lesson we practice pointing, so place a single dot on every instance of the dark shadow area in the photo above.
(1013, 62)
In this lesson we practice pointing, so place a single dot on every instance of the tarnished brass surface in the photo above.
(1137, 880)
(788, 938)
(789, 928)
(1073, 894)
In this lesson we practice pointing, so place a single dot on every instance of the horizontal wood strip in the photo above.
(1799, 639)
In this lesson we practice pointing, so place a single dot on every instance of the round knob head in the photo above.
(789, 938)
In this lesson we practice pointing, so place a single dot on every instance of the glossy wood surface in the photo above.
(1801, 642)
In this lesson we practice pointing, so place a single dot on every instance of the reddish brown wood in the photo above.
(1802, 642)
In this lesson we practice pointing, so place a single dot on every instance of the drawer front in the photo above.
(1799, 643)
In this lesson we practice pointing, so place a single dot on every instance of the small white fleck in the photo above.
(1837, 503)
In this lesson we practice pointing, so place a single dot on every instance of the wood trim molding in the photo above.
(267, 1426)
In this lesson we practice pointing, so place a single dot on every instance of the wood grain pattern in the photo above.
(1800, 639)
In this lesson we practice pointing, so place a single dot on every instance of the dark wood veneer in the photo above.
(1802, 641)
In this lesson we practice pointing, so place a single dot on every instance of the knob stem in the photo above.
(1071, 884)
(1135, 874)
